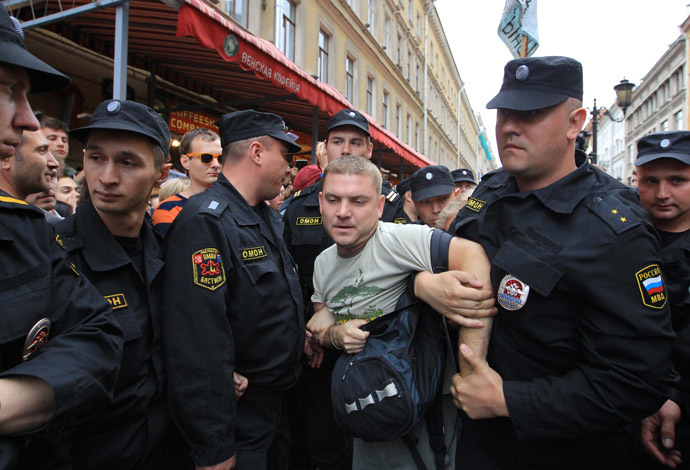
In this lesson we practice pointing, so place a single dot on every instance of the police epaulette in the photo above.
(392, 196)
(613, 212)
(306, 191)
(213, 207)
(491, 173)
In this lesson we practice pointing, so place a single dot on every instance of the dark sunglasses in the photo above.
(206, 158)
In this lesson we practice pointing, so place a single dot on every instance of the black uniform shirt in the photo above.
(589, 350)
(232, 302)
(80, 360)
(305, 235)
(118, 435)
(676, 258)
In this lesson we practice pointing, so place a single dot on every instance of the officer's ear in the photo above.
(381, 203)
(576, 120)
(163, 175)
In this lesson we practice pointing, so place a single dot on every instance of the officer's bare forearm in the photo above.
(477, 339)
(25, 403)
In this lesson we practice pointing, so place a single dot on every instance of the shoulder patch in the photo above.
(213, 207)
(116, 300)
(474, 204)
(208, 270)
(613, 212)
(651, 284)
(400, 220)
(392, 196)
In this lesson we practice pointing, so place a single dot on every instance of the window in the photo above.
(288, 29)
(410, 11)
(372, 16)
(349, 78)
(409, 129)
(238, 10)
(409, 64)
(398, 117)
(419, 35)
(370, 96)
(418, 77)
(399, 63)
(678, 118)
(387, 34)
(416, 136)
(679, 80)
(323, 56)
(384, 109)
(631, 154)
(664, 126)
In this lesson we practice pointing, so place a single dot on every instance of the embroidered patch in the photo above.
(256, 252)
(651, 286)
(37, 337)
(116, 301)
(309, 220)
(475, 204)
(512, 293)
(400, 220)
(207, 266)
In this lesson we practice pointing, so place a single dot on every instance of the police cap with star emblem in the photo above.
(42, 76)
(127, 116)
(531, 83)
(431, 181)
(245, 124)
(672, 144)
(348, 117)
(462, 174)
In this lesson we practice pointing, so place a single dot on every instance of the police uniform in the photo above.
(583, 335)
(233, 302)
(55, 326)
(676, 265)
(128, 432)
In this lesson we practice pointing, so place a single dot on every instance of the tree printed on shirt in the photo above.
(346, 297)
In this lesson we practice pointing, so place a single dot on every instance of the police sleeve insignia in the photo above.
(651, 285)
(208, 270)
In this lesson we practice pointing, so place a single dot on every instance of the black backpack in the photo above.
(382, 392)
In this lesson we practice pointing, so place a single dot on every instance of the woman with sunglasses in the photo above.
(200, 153)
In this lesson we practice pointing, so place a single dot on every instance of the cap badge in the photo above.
(17, 27)
(464, 172)
(665, 143)
(512, 293)
(429, 176)
(37, 337)
(113, 107)
(522, 72)
(352, 115)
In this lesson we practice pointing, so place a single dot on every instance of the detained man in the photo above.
(432, 190)
(45, 200)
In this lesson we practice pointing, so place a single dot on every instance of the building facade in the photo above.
(389, 58)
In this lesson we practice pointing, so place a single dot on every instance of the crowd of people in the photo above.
(202, 331)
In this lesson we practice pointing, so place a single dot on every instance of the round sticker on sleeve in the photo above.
(512, 293)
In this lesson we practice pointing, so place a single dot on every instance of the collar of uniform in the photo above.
(11, 202)
(244, 214)
(101, 251)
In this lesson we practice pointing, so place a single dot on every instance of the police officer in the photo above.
(663, 166)
(347, 134)
(404, 189)
(581, 343)
(233, 302)
(59, 346)
(111, 241)
(463, 179)
(432, 190)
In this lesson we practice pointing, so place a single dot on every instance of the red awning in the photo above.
(251, 53)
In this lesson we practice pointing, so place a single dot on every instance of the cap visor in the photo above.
(656, 156)
(524, 100)
(426, 193)
(42, 76)
(292, 146)
(357, 124)
(82, 133)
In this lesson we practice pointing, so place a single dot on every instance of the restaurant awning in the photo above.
(212, 30)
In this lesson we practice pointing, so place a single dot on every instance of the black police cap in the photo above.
(127, 116)
(404, 186)
(431, 181)
(672, 144)
(348, 117)
(241, 125)
(531, 83)
(42, 76)
(462, 174)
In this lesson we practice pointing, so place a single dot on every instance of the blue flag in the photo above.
(519, 19)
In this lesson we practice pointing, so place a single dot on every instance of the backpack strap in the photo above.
(411, 444)
(434, 427)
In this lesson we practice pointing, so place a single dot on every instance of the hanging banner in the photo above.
(518, 28)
